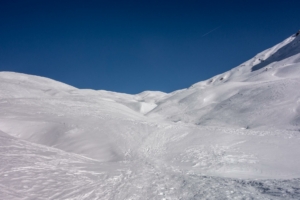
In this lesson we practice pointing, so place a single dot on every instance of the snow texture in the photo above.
(234, 136)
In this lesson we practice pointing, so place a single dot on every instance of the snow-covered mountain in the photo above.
(235, 135)
(260, 93)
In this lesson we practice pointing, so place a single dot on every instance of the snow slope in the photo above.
(235, 135)
(261, 93)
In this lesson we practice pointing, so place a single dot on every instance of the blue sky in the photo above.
(132, 46)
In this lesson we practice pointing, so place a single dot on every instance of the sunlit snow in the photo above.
(234, 136)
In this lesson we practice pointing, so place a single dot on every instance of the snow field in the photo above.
(234, 136)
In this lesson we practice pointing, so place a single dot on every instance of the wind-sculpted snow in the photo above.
(234, 136)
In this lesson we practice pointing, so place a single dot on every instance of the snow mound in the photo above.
(23, 85)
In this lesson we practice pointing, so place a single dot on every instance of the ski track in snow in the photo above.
(30, 171)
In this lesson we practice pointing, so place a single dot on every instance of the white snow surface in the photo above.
(234, 136)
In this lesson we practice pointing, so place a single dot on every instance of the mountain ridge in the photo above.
(221, 90)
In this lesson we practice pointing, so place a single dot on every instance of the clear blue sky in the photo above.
(131, 46)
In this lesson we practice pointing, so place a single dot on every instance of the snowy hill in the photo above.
(235, 135)
(260, 93)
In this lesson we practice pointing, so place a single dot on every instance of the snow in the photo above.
(234, 136)
(243, 97)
